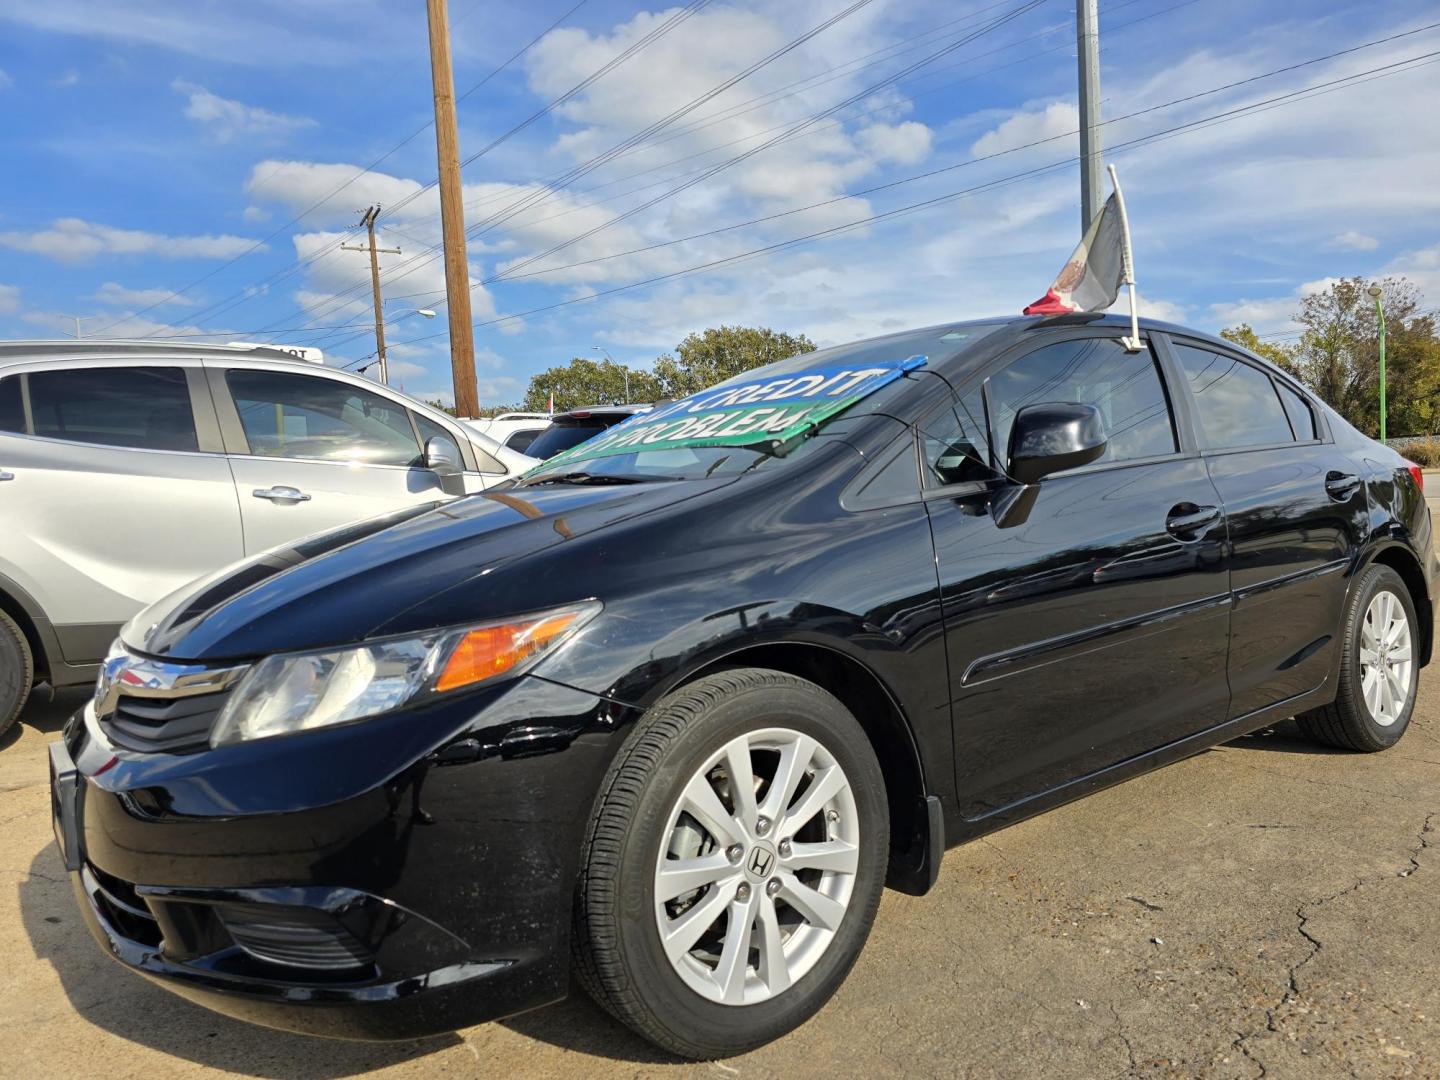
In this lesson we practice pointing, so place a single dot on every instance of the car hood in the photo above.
(340, 587)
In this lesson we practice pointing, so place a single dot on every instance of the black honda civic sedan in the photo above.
(668, 713)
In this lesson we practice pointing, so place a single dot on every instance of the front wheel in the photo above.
(17, 671)
(1379, 671)
(735, 864)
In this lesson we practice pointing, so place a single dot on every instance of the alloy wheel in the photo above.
(1386, 658)
(758, 866)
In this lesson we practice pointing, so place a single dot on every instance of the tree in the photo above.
(714, 355)
(587, 382)
(1338, 355)
(1282, 356)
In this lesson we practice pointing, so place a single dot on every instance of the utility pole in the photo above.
(1087, 49)
(1377, 294)
(369, 222)
(452, 214)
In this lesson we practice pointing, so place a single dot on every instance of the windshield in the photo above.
(769, 413)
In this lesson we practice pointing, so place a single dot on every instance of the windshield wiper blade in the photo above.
(592, 478)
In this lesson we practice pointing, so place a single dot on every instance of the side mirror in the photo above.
(1054, 436)
(442, 457)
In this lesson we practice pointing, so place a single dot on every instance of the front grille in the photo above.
(163, 724)
(293, 937)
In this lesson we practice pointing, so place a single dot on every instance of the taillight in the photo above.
(1418, 473)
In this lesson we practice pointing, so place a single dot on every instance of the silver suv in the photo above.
(129, 468)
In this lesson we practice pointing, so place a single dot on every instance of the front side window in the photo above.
(952, 444)
(289, 415)
(145, 408)
(1237, 403)
(1126, 387)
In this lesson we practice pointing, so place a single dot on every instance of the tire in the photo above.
(643, 816)
(17, 671)
(1355, 721)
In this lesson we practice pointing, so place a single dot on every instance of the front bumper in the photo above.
(396, 877)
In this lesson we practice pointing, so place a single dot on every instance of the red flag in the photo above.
(1091, 279)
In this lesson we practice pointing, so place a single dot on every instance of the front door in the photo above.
(316, 452)
(1297, 510)
(1096, 629)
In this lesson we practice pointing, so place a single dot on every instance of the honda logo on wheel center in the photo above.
(761, 861)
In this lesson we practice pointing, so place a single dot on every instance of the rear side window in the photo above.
(1302, 418)
(1125, 387)
(146, 408)
(1238, 404)
(521, 440)
(563, 435)
(305, 416)
(12, 409)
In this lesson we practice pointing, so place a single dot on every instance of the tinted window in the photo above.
(142, 407)
(302, 416)
(952, 445)
(12, 411)
(562, 436)
(1237, 402)
(1125, 387)
(521, 440)
(1302, 419)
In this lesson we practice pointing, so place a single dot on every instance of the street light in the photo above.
(626, 370)
(1375, 294)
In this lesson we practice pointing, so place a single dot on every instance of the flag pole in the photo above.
(1132, 343)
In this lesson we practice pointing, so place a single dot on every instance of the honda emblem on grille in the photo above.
(138, 676)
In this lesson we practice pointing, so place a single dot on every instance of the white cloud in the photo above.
(70, 78)
(225, 119)
(9, 299)
(116, 295)
(77, 240)
(5, 80)
(255, 215)
(1354, 241)
(1053, 122)
(907, 143)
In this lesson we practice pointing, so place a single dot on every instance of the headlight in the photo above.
(300, 691)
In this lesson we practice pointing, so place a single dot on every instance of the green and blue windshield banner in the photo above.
(765, 411)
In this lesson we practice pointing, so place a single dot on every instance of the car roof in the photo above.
(585, 411)
(92, 347)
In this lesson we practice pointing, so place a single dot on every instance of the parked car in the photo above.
(669, 712)
(571, 428)
(128, 469)
(513, 430)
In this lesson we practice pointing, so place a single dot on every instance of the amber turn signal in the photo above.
(489, 651)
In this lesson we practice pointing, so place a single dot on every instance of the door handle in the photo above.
(1186, 521)
(6, 474)
(1341, 485)
(281, 494)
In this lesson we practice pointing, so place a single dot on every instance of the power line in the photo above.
(1223, 117)
(791, 130)
(244, 294)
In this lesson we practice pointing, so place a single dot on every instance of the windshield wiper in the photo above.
(593, 478)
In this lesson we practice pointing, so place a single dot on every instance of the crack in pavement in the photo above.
(1303, 916)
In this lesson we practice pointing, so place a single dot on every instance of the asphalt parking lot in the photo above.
(1266, 908)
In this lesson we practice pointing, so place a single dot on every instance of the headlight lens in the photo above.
(294, 692)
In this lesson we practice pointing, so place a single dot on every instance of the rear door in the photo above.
(310, 452)
(1297, 512)
(117, 491)
(1094, 630)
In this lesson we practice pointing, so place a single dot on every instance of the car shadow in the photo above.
(126, 1005)
(1284, 738)
(577, 1024)
(46, 711)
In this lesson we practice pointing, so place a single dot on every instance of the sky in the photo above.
(837, 168)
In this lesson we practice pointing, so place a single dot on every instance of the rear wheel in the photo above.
(17, 670)
(735, 864)
(1379, 671)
